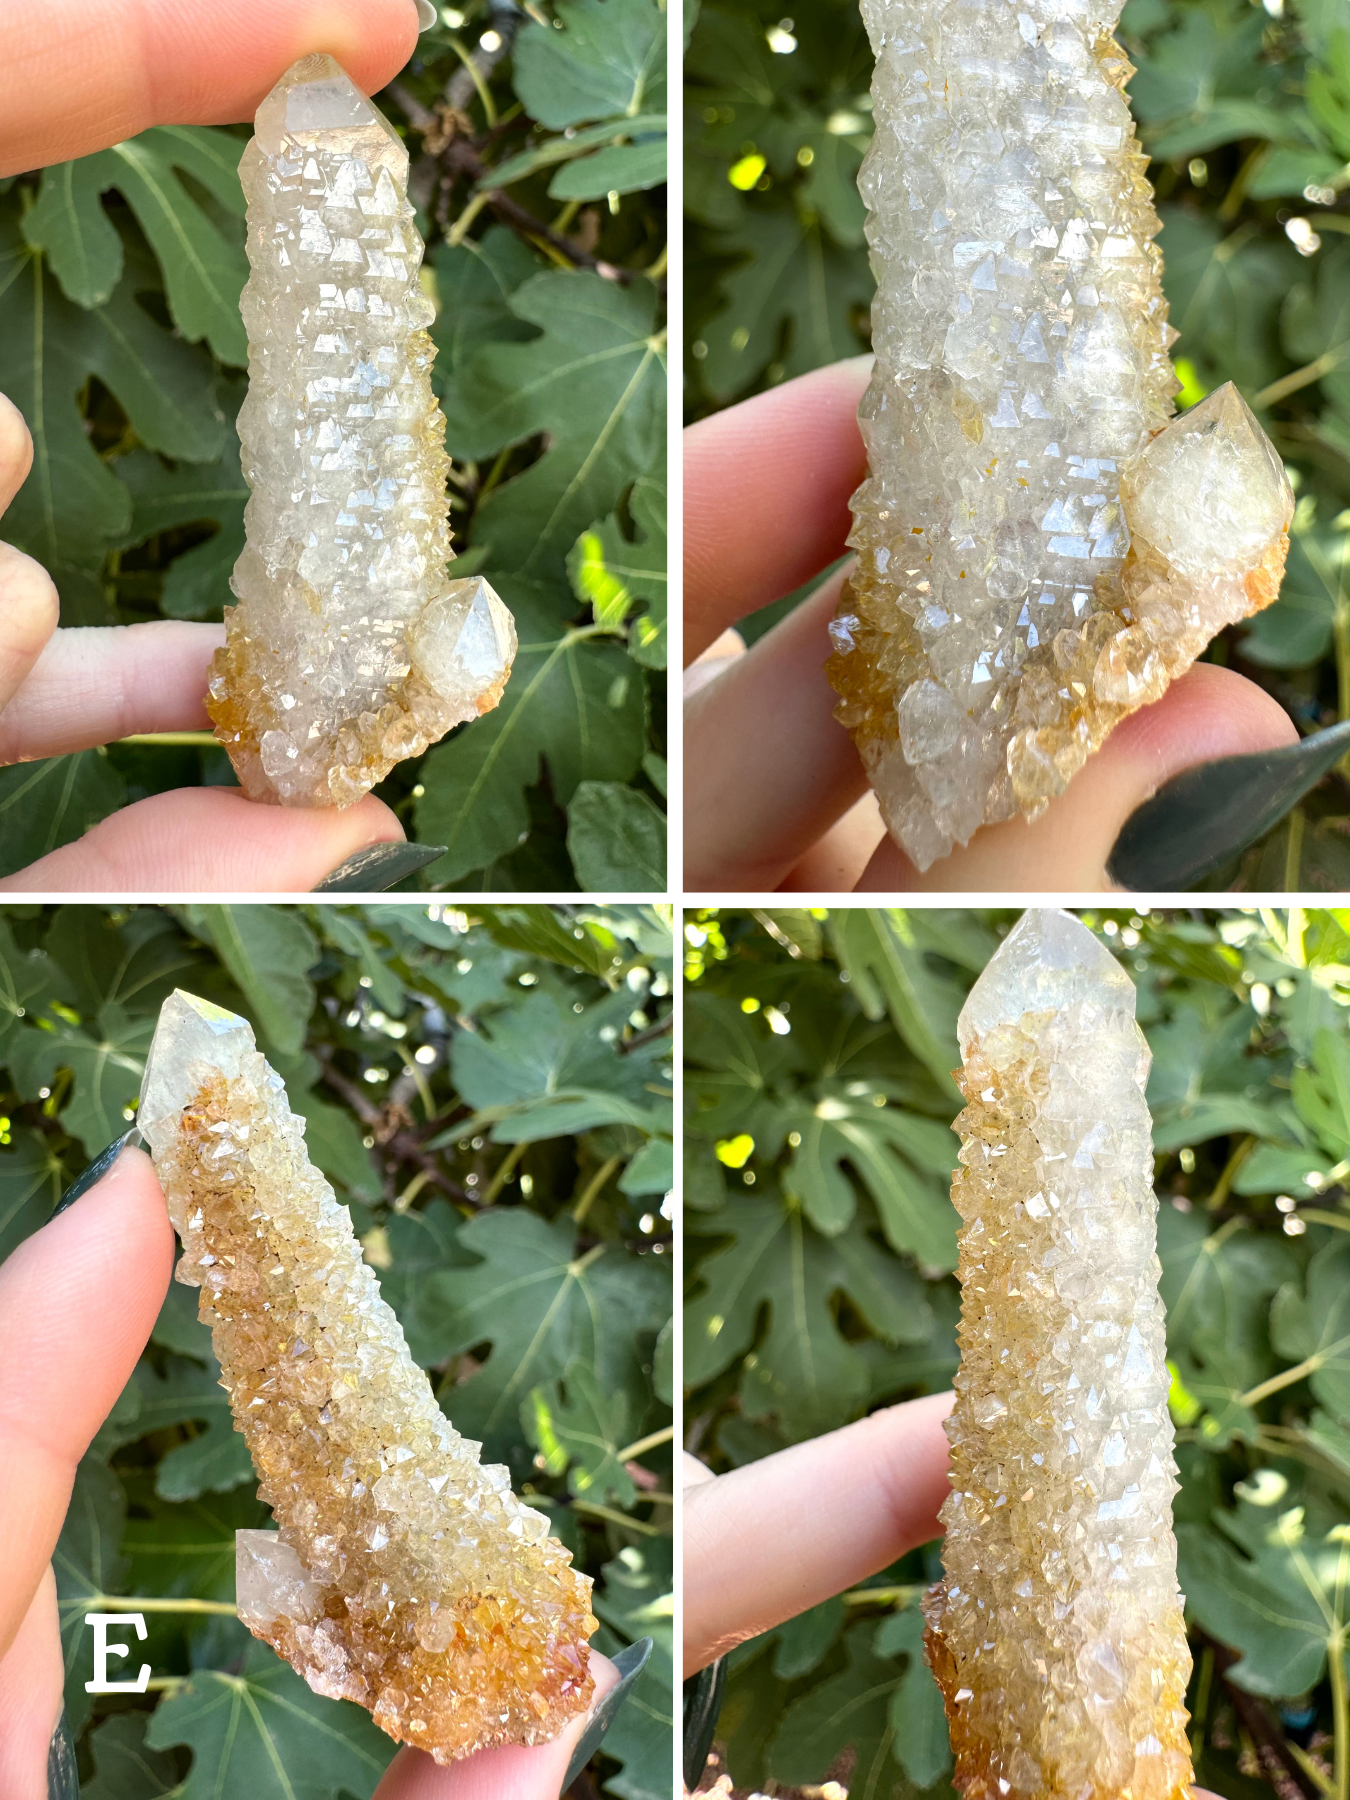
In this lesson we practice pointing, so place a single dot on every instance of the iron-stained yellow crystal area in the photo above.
(1039, 551)
(351, 648)
(405, 1576)
(1056, 1635)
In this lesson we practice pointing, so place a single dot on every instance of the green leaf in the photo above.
(922, 1747)
(196, 585)
(31, 1179)
(124, 1769)
(263, 1733)
(608, 60)
(888, 973)
(541, 1306)
(28, 978)
(580, 1427)
(593, 381)
(422, 1243)
(652, 1170)
(133, 961)
(796, 281)
(617, 169)
(1282, 1603)
(803, 1371)
(1316, 323)
(572, 705)
(187, 1550)
(614, 574)
(616, 839)
(88, 1565)
(337, 1144)
(916, 1212)
(107, 1062)
(636, 1600)
(69, 223)
(851, 1710)
(213, 1461)
(46, 804)
(1314, 1328)
(548, 152)
(1322, 1093)
(268, 950)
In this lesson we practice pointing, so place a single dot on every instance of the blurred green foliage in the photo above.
(820, 1240)
(489, 1092)
(538, 162)
(1245, 111)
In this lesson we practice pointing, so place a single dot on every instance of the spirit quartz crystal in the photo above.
(405, 1576)
(1039, 551)
(1056, 1635)
(350, 648)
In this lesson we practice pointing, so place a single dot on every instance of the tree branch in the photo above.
(401, 1142)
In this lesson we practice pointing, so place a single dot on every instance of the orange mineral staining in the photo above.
(405, 1576)
(1056, 1635)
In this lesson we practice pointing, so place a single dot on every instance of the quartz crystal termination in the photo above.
(350, 648)
(1056, 1634)
(1039, 552)
(406, 1576)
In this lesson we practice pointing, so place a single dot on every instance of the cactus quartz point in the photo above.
(350, 648)
(1039, 551)
(406, 1576)
(1056, 1634)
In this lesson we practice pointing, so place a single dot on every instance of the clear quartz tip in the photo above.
(1047, 961)
(190, 1030)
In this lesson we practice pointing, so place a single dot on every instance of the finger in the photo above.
(29, 609)
(1209, 712)
(32, 1676)
(767, 768)
(511, 1772)
(209, 840)
(97, 683)
(16, 451)
(83, 74)
(766, 490)
(834, 864)
(78, 1300)
(766, 1542)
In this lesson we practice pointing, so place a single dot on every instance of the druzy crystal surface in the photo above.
(351, 648)
(405, 1575)
(1039, 551)
(1056, 1634)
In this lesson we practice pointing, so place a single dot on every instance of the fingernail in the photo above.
(426, 15)
(96, 1170)
(379, 867)
(630, 1663)
(702, 1703)
(63, 1772)
(1205, 816)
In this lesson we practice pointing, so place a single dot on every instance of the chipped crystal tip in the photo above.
(1039, 551)
(351, 648)
(405, 1575)
(1056, 1634)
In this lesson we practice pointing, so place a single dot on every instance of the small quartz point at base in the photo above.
(405, 1575)
(1039, 551)
(1056, 1634)
(351, 647)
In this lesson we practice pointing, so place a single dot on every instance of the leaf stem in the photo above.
(459, 231)
(889, 1596)
(1316, 1216)
(170, 738)
(1293, 851)
(484, 92)
(617, 1518)
(1340, 1716)
(1301, 378)
(632, 1451)
(505, 1169)
(147, 1604)
(1287, 1377)
(1230, 1169)
(593, 1187)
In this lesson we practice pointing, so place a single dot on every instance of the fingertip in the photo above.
(16, 450)
(30, 610)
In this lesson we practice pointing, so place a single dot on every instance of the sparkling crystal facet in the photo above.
(1012, 601)
(1056, 1634)
(350, 648)
(406, 1575)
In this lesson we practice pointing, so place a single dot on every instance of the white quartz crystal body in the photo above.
(1057, 1633)
(351, 648)
(999, 623)
(405, 1575)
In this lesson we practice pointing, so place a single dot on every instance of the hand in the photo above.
(770, 1540)
(86, 74)
(78, 1301)
(775, 794)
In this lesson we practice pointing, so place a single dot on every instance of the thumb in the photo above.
(509, 1772)
(1210, 712)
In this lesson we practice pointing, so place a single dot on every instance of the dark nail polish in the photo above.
(371, 871)
(96, 1170)
(1205, 816)
(630, 1662)
(702, 1704)
(63, 1772)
